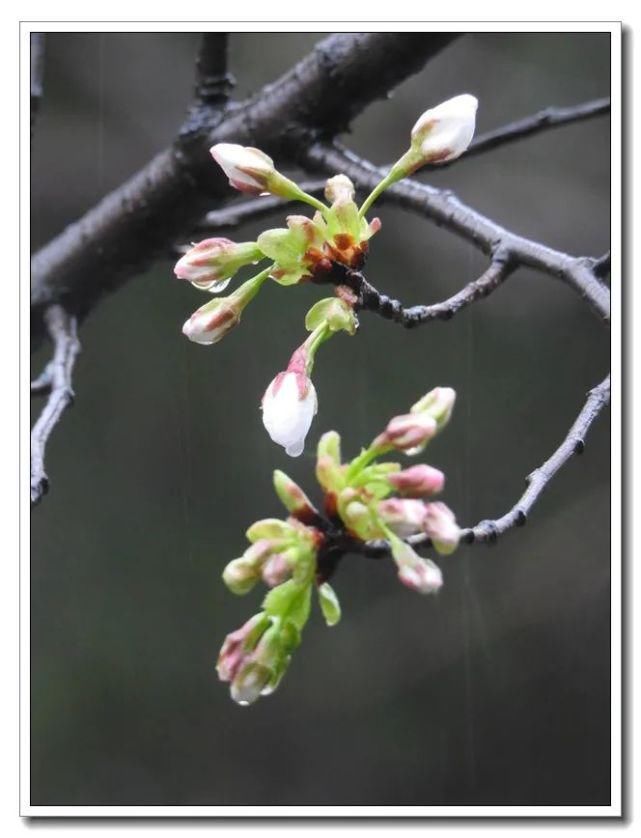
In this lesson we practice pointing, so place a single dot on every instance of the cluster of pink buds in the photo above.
(377, 500)
(364, 500)
(310, 249)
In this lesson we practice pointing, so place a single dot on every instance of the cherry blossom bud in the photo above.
(278, 568)
(248, 169)
(402, 515)
(251, 170)
(240, 575)
(211, 322)
(438, 404)
(289, 405)
(329, 471)
(444, 132)
(211, 263)
(249, 683)
(421, 575)
(409, 433)
(425, 577)
(339, 188)
(238, 645)
(294, 498)
(418, 481)
(440, 524)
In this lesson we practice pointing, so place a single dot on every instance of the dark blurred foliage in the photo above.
(497, 690)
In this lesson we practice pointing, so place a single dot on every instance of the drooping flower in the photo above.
(289, 405)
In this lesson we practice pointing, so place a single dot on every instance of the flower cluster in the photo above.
(363, 500)
(306, 249)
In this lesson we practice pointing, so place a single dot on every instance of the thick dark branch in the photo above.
(544, 120)
(56, 379)
(370, 299)
(37, 47)
(446, 210)
(139, 220)
(213, 82)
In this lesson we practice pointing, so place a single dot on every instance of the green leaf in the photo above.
(329, 604)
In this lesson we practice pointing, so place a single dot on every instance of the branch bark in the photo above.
(445, 209)
(536, 123)
(131, 226)
(56, 381)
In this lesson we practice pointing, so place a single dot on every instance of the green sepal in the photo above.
(329, 604)
(338, 315)
(289, 602)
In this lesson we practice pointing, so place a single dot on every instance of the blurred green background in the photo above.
(497, 690)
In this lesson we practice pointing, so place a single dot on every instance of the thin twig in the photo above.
(37, 47)
(213, 81)
(445, 209)
(538, 480)
(370, 299)
(550, 117)
(238, 213)
(56, 379)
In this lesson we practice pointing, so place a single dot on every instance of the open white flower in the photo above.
(289, 405)
(444, 132)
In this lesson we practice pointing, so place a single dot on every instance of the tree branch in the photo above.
(370, 299)
(538, 480)
(550, 117)
(37, 48)
(213, 82)
(574, 443)
(135, 223)
(56, 380)
(242, 211)
(446, 210)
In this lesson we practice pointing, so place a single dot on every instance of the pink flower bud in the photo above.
(211, 263)
(403, 516)
(339, 188)
(289, 405)
(418, 481)
(444, 132)
(294, 498)
(238, 645)
(424, 576)
(250, 682)
(248, 169)
(440, 524)
(421, 575)
(211, 322)
(438, 404)
(408, 433)
(276, 570)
